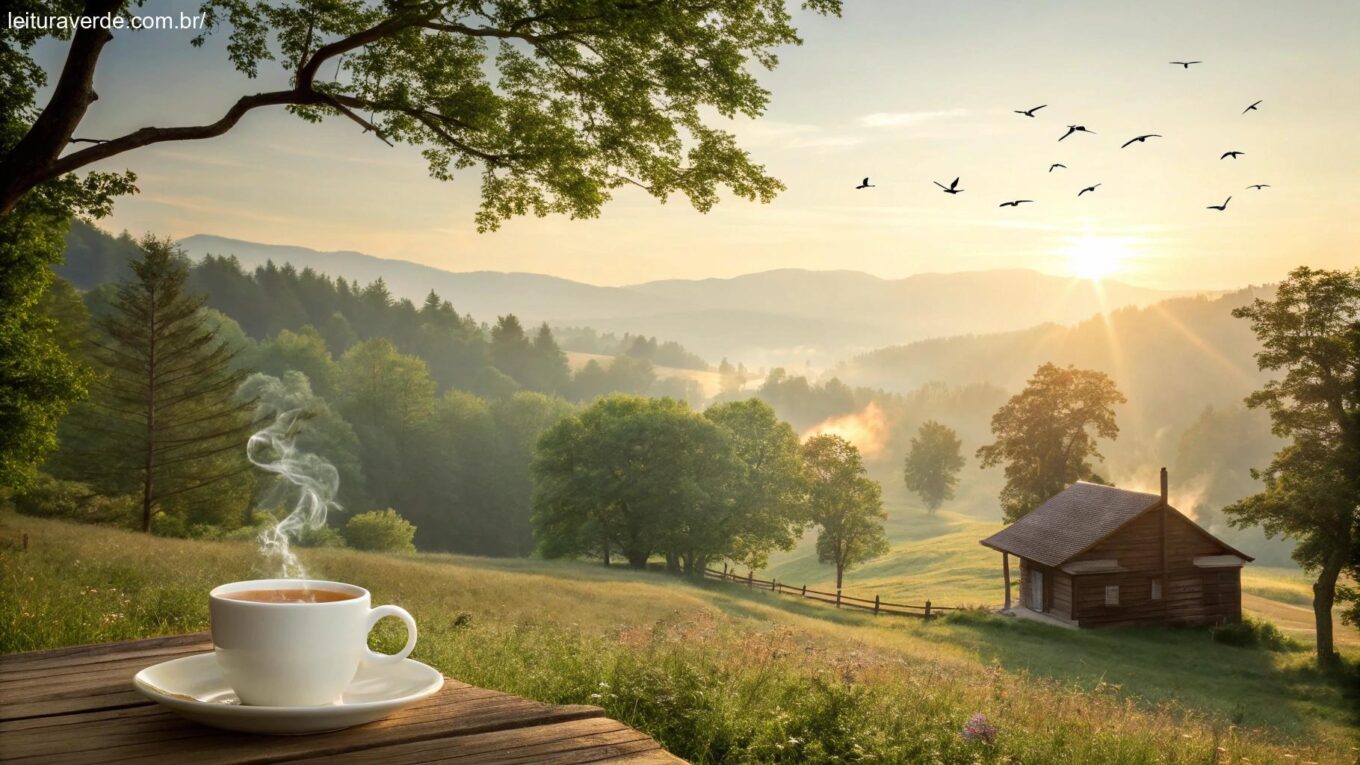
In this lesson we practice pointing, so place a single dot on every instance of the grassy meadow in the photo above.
(938, 558)
(721, 674)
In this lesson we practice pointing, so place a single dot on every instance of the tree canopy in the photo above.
(846, 504)
(559, 104)
(1047, 435)
(1310, 331)
(933, 464)
(643, 477)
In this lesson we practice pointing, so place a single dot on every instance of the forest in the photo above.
(424, 413)
(424, 428)
(439, 380)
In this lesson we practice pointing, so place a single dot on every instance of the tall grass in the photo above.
(716, 674)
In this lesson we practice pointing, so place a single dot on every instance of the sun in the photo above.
(1097, 257)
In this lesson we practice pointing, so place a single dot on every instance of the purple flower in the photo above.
(978, 729)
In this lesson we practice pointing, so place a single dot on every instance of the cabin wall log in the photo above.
(1191, 595)
(1061, 602)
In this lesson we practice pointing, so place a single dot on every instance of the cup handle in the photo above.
(373, 657)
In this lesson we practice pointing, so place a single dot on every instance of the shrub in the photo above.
(243, 534)
(325, 536)
(166, 525)
(1256, 633)
(380, 530)
(52, 498)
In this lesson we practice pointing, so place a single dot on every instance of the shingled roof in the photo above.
(1071, 522)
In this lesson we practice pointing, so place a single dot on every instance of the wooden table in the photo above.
(76, 705)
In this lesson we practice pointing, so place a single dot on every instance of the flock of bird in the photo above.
(953, 187)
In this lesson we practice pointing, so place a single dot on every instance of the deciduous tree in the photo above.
(303, 351)
(1309, 333)
(388, 397)
(1046, 435)
(631, 475)
(768, 510)
(844, 503)
(559, 104)
(933, 464)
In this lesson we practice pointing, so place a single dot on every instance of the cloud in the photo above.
(215, 208)
(407, 158)
(909, 119)
(197, 158)
(773, 134)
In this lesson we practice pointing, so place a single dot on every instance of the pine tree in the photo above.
(552, 373)
(164, 422)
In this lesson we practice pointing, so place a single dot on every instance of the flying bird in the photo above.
(1233, 154)
(1139, 139)
(1252, 108)
(1259, 186)
(952, 188)
(1029, 112)
(1088, 188)
(1186, 64)
(1076, 129)
(865, 184)
(1016, 203)
(1221, 207)
(1056, 164)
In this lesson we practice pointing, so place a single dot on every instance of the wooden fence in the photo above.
(839, 599)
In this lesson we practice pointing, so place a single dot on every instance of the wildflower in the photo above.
(978, 729)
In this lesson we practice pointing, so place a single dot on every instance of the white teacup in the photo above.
(297, 653)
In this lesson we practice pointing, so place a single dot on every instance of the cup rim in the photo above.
(219, 592)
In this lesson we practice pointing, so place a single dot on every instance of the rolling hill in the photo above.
(1171, 359)
(782, 317)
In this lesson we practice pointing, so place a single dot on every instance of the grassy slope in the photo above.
(938, 558)
(720, 674)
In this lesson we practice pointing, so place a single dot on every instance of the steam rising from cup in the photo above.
(316, 480)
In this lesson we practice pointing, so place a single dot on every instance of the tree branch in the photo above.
(84, 52)
(151, 135)
(72, 96)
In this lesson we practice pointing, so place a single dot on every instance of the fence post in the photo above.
(838, 597)
(927, 609)
(750, 578)
(775, 586)
(875, 605)
(724, 570)
(804, 593)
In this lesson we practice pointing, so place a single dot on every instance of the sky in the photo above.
(906, 93)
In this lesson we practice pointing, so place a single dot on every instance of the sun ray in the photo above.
(1204, 346)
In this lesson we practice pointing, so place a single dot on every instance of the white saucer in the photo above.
(194, 687)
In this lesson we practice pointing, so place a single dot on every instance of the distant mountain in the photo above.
(484, 294)
(786, 316)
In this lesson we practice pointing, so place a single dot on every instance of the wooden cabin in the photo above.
(1098, 556)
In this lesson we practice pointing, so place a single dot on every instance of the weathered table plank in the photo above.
(76, 705)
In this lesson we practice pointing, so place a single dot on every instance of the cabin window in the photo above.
(1112, 595)
(1156, 589)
